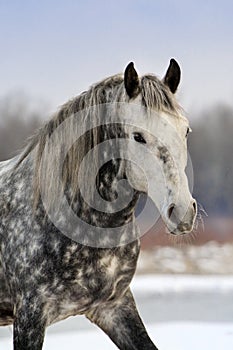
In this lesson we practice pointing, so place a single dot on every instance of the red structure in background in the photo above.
(214, 229)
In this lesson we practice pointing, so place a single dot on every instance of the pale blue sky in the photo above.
(54, 49)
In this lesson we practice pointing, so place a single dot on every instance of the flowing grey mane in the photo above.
(155, 96)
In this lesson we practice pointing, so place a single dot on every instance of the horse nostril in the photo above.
(195, 206)
(170, 210)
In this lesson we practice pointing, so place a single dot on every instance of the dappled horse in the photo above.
(69, 240)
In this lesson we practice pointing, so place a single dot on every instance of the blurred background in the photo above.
(53, 50)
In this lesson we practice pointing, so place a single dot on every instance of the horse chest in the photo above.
(99, 279)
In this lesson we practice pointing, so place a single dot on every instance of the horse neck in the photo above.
(103, 211)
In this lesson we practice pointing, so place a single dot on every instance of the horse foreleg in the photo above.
(121, 322)
(29, 328)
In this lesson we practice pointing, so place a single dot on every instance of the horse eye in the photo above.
(139, 138)
(187, 132)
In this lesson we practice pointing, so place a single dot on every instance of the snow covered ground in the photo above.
(180, 312)
(210, 258)
(171, 336)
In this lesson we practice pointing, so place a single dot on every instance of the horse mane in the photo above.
(155, 95)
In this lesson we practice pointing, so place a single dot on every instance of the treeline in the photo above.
(211, 150)
(18, 120)
(210, 147)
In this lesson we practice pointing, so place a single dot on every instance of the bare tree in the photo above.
(18, 120)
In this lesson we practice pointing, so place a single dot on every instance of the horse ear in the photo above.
(131, 80)
(172, 77)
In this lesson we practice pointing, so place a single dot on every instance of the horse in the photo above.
(69, 238)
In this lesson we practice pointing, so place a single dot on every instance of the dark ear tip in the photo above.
(174, 63)
(131, 80)
(130, 65)
(172, 77)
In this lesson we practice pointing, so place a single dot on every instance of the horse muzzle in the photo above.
(179, 220)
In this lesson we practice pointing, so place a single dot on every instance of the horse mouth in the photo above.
(178, 232)
(181, 229)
